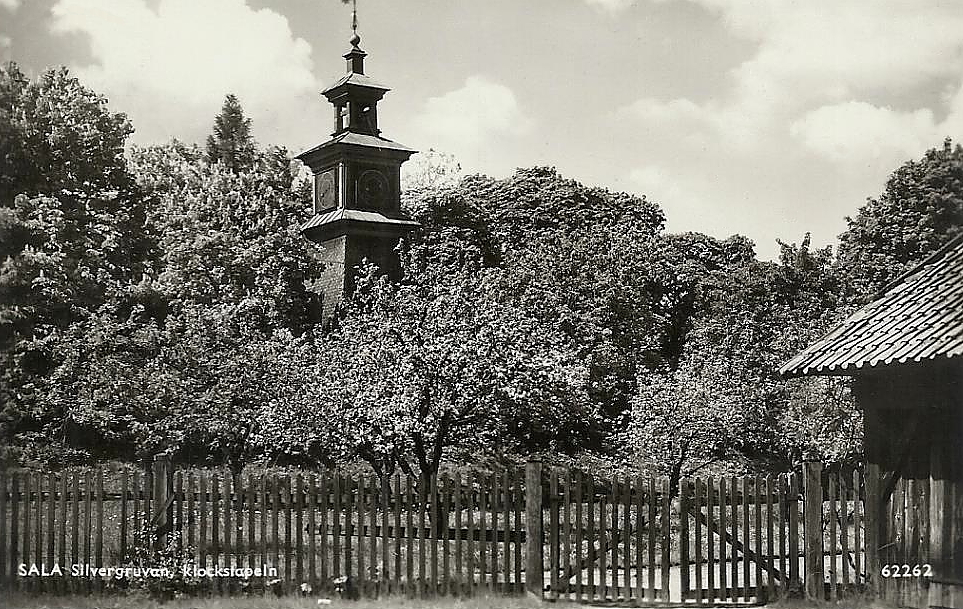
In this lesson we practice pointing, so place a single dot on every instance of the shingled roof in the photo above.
(918, 318)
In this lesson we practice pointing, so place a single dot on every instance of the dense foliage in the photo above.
(165, 300)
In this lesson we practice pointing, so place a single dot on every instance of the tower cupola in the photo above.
(357, 183)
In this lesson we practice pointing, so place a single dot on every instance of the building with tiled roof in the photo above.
(918, 318)
(904, 352)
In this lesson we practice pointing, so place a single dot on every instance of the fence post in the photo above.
(813, 530)
(534, 532)
(872, 504)
(163, 516)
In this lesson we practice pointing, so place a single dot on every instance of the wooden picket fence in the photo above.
(552, 532)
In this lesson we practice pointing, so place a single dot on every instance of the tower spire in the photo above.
(354, 16)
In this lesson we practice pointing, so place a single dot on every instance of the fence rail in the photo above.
(561, 533)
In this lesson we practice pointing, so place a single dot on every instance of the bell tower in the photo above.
(357, 185)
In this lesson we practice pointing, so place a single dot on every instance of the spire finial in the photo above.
(355, 39)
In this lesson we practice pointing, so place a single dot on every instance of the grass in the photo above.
(135, 602)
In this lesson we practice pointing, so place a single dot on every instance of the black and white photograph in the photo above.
(481, 304)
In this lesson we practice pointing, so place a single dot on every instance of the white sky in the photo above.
(765, 118)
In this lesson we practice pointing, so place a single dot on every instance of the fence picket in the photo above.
(251, 494)
(794, 530)
(746, 544)
(51, 520)
(566, 532)
(783, 511)
(459, 573)
(639, 528)
(770, 541)
(287, 502)
(299, 530)
(482, 528)
(88, 523)
(710, 538)
(25, 552)
(372, 574)
(384, 576)
(844, 519)
(99, 540)
(650, 498)
(723, 504)
(322, 531)
(697, 509)
(857, 538)
(614, 538)
(470, 567)
(684, 489)
(410, 535)
(385, 495)
(445, 537)
(493, 506)
(506, 546)
(553, 533)
(590, 534)
(15, 498)
(177, 527)
(62, 545)
(733, 551)
(666, 539)
(519, 504)
(603, 546)
(578, 536)
(336, 490)
(357, 545)
(263, 503)
(3, 530)
(757, 521)
(422, 539)
(833, 506)
(432, 504)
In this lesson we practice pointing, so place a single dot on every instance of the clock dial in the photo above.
(324, 191)
(373, 189)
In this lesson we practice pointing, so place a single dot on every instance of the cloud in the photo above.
(472, 123)
(169, 68)
(10, 5)
(611, 5)
(861, 131)
(833, 97)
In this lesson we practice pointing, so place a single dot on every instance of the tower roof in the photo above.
(354, 79)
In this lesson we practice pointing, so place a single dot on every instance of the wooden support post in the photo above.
(534, 533)
(813, 531)
(163, 514)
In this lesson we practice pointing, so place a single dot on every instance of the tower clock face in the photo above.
(373, 189)
(324, 191)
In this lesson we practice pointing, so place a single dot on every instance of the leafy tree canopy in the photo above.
(919, 210)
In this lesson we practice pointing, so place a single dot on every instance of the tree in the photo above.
(434, 364)
(231, 142)
(232, 239)
(430, 170)
(71, 224)
(56, 135)
(919, 210)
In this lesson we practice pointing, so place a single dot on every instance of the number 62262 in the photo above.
(896, 570)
